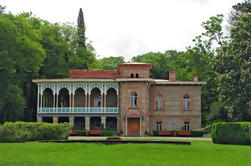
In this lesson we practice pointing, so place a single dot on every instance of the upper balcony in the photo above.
(80, 98)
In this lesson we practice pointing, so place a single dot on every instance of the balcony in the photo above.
(95, 110)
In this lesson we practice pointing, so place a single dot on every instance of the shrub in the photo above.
(231, 133)
(81, 132)
(113, 138)
(32, 131)
(155, 133)
(196, 133)
(109, 133)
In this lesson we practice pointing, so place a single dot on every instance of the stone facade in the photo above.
(127, 100)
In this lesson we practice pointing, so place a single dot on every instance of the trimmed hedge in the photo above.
(109, 133)
(33, 131)
(231, 133)
(80, 133)
(192, 133)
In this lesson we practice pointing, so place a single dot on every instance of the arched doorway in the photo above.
(79, 98)
(47, 98)
(96, 100)
(63, 98)
(111, 98)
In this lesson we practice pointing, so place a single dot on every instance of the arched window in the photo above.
(137, 75)
(158, 102)
(134, 100)
(186, 103)
(186, 126)
(132, 75)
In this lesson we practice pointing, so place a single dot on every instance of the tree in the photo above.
(110, 63)
(238, 10)
(81, 26)
(233, 68)
(2, 9)
(21, 57)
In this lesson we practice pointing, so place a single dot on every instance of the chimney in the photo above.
(172, 75)
(195, 78)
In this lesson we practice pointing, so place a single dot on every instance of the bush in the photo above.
(80, 133)
(196, 133)
(109, 133)
(155, 133)
(32, 131)
(231, 133)
(113, 138)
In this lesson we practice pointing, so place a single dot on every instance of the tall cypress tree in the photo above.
(81, 25)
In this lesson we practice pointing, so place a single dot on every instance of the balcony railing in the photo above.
(79, 110)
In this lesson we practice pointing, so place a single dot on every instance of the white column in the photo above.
(41, 100)
(73, 101)
(89, 101)
(38, 100)
(87, 123)
(71, 120)
(86, 100)
(103, 121)
(56, 102)
(70, 94)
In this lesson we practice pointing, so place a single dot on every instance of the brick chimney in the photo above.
(172, 75)
(195, 78)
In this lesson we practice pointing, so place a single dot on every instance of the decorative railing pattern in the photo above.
(79, 110)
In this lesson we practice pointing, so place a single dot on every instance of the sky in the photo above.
(130, 27)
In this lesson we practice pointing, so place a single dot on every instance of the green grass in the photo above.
(200, 153)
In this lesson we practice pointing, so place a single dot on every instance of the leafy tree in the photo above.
(232, 66)
(2, 9)
(110, 63)
(238, 10)
(21, 57)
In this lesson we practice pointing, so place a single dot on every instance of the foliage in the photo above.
(232, 133)
(155, 132)
(113, 138)
(109, 133)
(110, 63)
(31, 131)
(238, 10)
(34, 48)
(81, 132)
(232, 66)
(2, 8)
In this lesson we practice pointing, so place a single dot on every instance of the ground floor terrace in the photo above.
(130, 125)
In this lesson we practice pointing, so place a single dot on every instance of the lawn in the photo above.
(200, 153)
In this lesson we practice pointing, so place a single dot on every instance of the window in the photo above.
(134, 100)
(186, 103)
(186, 126)
(158, 102)
(158, 125)
(137, 75)
(132, 75)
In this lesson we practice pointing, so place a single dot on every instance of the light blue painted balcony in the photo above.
(101, 110)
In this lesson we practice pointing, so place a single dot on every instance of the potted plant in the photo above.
(145, 134)
(121, 134)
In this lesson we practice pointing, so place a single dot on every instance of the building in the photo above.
(126, 99)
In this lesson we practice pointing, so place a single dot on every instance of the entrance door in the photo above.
(133, 126)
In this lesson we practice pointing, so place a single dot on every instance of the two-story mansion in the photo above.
(126, 99)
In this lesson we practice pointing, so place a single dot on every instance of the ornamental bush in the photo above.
(109, 133)
(32, 131)
(231, 133)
